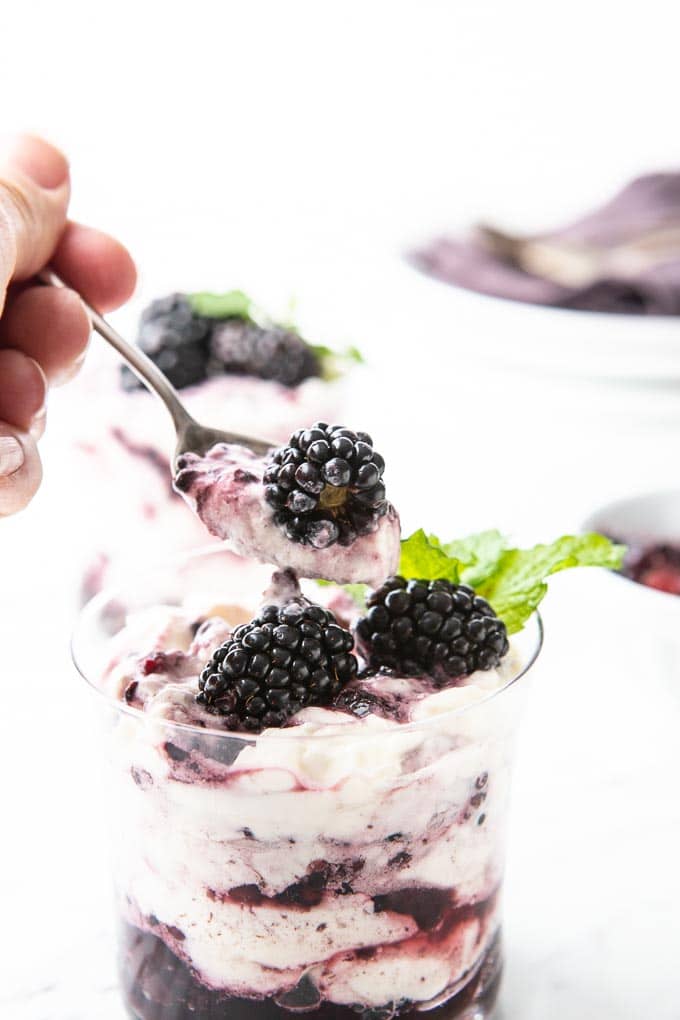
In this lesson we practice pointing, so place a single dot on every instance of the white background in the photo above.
(297, 148)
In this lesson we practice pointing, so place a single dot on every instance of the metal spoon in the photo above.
(191, 437)
(579, 265)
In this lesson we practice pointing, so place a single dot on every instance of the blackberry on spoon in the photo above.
(326, 486)
(434, 628)
(287, 658)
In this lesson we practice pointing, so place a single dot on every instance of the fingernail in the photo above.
(11, 456)
(37, 426)
(38, 160)
(70, 372)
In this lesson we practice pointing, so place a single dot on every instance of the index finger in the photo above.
(96, 265)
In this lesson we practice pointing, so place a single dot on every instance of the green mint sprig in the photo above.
(512, 580)
(357, 592)
(335, 363)
(235, 304)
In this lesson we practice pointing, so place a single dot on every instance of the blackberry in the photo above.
(431, 628)
(242, 347)
(359, 701)
(288, 657)
(326, 486)
(176, 339)
(189, 347)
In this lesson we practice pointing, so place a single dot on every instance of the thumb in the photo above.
(20, 469)
(34, 194)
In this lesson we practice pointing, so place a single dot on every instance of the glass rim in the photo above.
(94, 606)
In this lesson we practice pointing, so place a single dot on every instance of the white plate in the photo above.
(643, 348)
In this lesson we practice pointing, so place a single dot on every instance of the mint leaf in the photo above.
(335, 363)
(357, 592)
(512, 580)
(231, 304)
(288, 320)
(423, 557)
(478, 555)
(516, 584)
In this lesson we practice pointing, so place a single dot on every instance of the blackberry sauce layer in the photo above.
(158, 985)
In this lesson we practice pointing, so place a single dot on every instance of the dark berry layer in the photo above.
(190, 348)
(432, 628)
(288, 657)
(322, 879)
(157, 985)
(326, 486)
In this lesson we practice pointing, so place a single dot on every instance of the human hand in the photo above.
(43, 330)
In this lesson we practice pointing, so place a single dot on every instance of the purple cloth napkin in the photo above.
(647, 204)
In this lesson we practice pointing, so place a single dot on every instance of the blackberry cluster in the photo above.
(432, 628)
(289, 657)
(189, 348)
(244, 348)
(326, 486)
(176, 339)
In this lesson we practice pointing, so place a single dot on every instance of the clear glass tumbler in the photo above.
(356, 870)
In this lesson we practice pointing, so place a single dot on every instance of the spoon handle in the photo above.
(141, 365)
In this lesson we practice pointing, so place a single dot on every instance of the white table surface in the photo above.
(294, 148)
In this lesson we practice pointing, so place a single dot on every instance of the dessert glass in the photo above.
(331, 873)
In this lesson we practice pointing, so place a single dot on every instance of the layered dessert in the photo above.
(311, 783)
(235, 368)
(329, 858)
